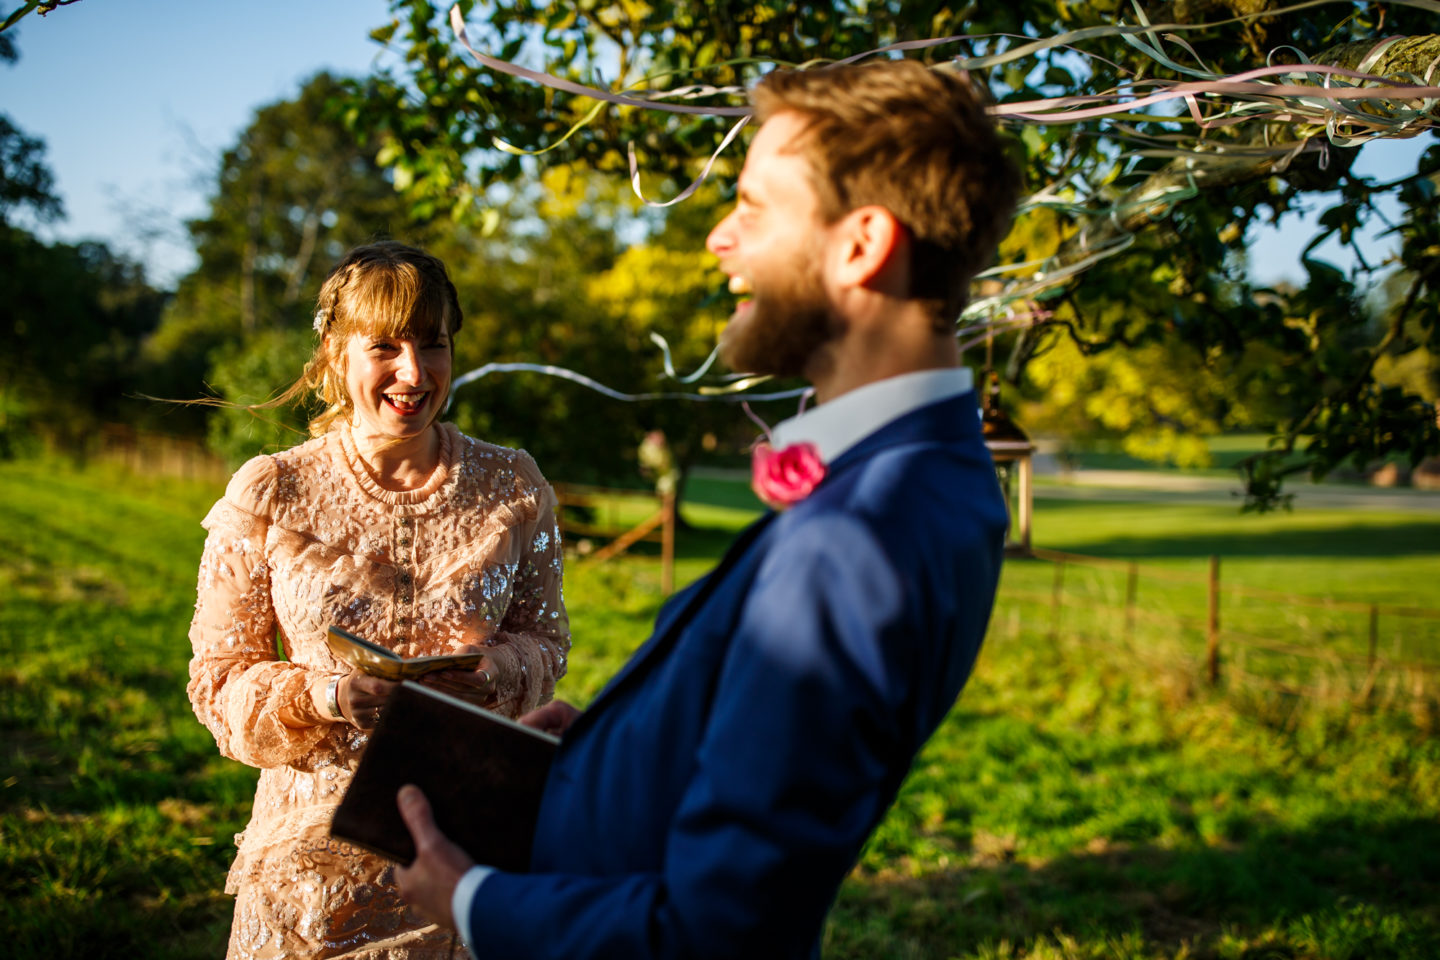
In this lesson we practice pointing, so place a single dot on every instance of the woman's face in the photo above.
(397, 385)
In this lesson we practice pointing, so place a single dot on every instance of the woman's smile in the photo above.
(397, 384)
(407, 404)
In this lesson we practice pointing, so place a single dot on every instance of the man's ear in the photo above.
(870, 240)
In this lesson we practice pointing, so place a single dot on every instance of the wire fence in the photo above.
(1366, 654)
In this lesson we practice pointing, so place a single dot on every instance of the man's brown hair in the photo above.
(916, 141)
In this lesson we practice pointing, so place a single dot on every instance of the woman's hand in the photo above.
(361, 696)
(478, 686)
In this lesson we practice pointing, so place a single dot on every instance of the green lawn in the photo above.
(1079, 802)
(1226, 450)
(1363, 555)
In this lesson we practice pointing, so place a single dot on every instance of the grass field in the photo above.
(1076, 804)
(1226, 450)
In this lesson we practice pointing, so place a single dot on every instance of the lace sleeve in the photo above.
(533, 641)
(261, 710)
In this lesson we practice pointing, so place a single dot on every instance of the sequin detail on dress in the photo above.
(307, 538)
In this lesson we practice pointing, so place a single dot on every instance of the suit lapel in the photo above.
(946, 420)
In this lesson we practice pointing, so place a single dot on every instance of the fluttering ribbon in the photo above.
(564, 373)
(695, 185)
(664, 346)
(1351, 107)
(457, 23)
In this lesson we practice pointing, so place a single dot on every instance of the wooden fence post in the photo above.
(1132, 587)
(1212, 638)
(667, 546)
(1368, 686)
(1055, 600)
(1374, 631)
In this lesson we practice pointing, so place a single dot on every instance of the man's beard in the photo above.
(782, 330)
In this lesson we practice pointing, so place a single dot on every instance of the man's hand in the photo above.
(553, 718)
(428, 884)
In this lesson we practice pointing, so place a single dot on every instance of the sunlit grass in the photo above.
(1226, 451)
(1077, 803)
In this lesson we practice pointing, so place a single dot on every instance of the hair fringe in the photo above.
(385, 287)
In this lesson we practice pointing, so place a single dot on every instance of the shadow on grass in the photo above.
(722, 492)
(1235, 536)
(1357, 540)
(1416, 538)
(1339, 889)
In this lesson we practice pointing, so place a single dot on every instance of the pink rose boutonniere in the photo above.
(782, 478)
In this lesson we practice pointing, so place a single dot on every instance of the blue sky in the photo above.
(135, 100)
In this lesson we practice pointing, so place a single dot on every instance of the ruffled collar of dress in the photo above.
(369, 483)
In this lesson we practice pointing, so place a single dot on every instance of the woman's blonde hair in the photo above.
(382, 289)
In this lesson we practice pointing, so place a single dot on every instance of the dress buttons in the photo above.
(405, 521)
(405, 578)
(404, 541)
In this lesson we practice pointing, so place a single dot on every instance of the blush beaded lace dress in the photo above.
(308, 538)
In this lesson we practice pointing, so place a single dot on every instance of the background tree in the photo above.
(547, 278)
(291, 195)
(25, 182)
(555, 284)
(75, 313)
(1182, 285)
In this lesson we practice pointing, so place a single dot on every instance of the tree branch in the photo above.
(1408, 55)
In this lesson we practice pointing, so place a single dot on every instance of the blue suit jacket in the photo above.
(716, 793)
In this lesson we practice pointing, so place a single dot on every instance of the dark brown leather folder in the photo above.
(483, 774)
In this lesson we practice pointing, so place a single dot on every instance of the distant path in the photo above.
(1144, 486)
(1164, 486)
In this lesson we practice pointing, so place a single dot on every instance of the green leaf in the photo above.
(1034, 140)
(389, 153)
(489, 222)
(1418, 192)
(14, 18)
(1324, 275)
(1338, 216)
(1429, 163)
(382, 35)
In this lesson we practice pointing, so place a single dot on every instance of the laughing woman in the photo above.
(398, 528)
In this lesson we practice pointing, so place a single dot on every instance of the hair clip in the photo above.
(320, 319)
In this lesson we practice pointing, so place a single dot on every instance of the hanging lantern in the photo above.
(1011, 450)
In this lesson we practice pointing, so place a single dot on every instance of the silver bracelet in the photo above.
(332, 701)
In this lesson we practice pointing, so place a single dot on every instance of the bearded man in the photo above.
(713, 797)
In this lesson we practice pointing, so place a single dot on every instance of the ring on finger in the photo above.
(489, 680)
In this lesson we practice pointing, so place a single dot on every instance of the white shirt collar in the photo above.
(838, 425)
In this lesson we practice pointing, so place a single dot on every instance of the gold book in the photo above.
(386, 664)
